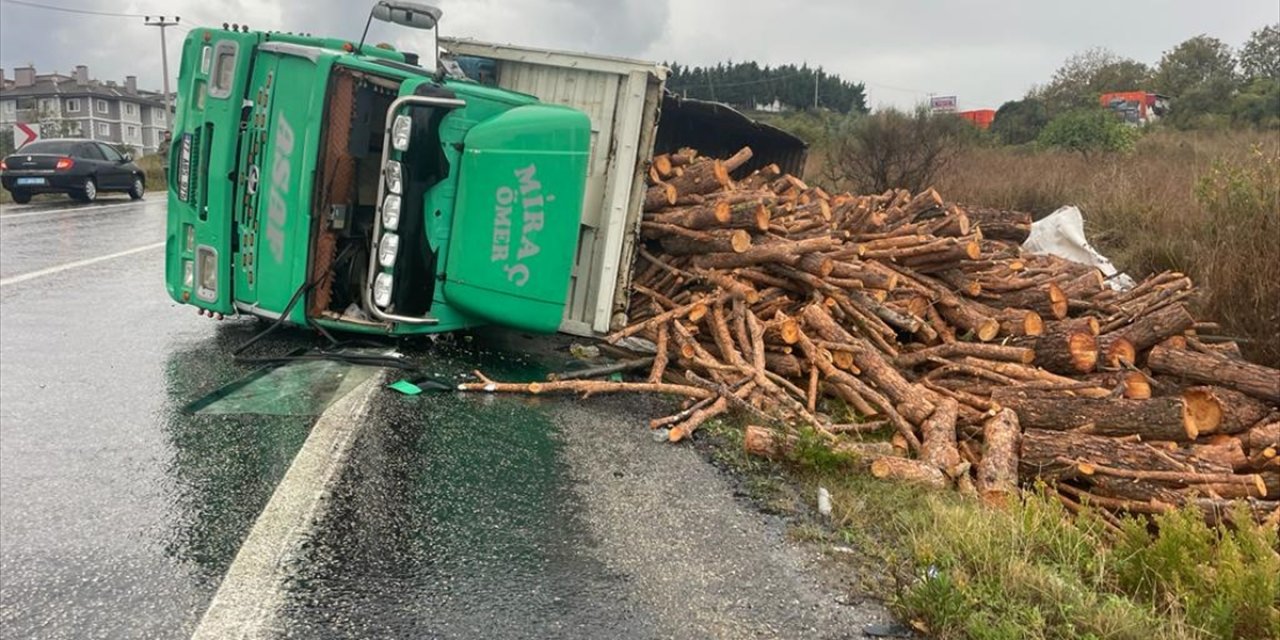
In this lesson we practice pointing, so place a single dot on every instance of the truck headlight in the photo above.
(206, 273)
(394, 177)
(387, 250)
(400, 129)
(382, 289)
(391, 212)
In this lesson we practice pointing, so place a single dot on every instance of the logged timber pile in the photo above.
(902, 313)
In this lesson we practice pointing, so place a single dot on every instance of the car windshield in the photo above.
(62, 147)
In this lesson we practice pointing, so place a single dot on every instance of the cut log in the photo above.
(997, 478)
(1065, 349)
(938, 438)
(1020, 322)
(1173, 419)
(1262, 437)
(977, 350)
(1233, 411)
(1253, 379)
(688, 243)
(1131, 384)
(706, 216)
(913, 401)
(582, 386)
(659, 196)
(1054, 455)
(1116, 352)
(768, 443)
(1148, 330)
(786, 252)
(1047, 300)
(702, 177)
(738, 159)
(911, 472)
(999, 224)
(1226, 451)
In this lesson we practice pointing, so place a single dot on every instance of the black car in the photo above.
(79, 168)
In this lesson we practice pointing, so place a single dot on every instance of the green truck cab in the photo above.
(323, 182)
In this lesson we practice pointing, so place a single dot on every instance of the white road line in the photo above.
(77, 264)
(54, 212)
(250, 599)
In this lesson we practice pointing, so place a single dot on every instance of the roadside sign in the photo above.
(24, 134)
(942, 104)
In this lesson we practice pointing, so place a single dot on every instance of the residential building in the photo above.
(78, 106)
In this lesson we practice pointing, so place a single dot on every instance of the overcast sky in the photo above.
(982, 51)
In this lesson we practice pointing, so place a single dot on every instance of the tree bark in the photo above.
(659, 196)
(1172, 419)
(938, 438)
(997, 478)
(1150, 329)
(911, 472)
(1065, 349)
(701, 177)
(1253, 379)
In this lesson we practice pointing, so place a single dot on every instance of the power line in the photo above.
(46, 7)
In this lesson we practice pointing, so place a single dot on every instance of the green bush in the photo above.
(1088, 131)
(1020, 121)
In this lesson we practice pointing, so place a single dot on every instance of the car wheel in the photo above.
(138, 188)
(21, 197)
(88, 192)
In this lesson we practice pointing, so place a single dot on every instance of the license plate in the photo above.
(30, 181)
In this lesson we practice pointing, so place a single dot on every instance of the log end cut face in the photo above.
(1084, 351)
(1201, 411)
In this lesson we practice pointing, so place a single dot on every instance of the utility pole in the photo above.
(816, 75)
(164, 61)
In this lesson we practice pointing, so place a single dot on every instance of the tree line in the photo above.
(1209, 84)
(747, 85)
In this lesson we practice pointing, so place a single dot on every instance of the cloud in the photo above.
(984, 51)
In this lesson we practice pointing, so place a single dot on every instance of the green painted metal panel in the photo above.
(515, 223)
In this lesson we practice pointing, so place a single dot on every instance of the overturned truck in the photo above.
(321, 182)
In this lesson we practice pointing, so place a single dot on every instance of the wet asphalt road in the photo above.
(118, 512)
(461, 516)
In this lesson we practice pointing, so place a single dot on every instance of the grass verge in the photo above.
(958, 570)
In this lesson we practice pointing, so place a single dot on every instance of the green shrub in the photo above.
(1088, 131)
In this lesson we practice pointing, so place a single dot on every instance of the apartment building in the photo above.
(77, 106)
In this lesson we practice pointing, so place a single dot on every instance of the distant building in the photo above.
(76, 106)
(771, 107)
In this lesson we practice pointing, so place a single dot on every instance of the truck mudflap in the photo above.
(515, 226)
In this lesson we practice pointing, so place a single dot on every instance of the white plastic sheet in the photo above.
(1061, 233)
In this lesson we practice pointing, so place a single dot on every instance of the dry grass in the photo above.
(1207, 204)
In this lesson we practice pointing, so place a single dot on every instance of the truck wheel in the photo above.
(88, 192)
(138, 188)
(21, 197)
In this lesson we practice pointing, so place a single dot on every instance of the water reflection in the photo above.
(458, 518)
(223, 467)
